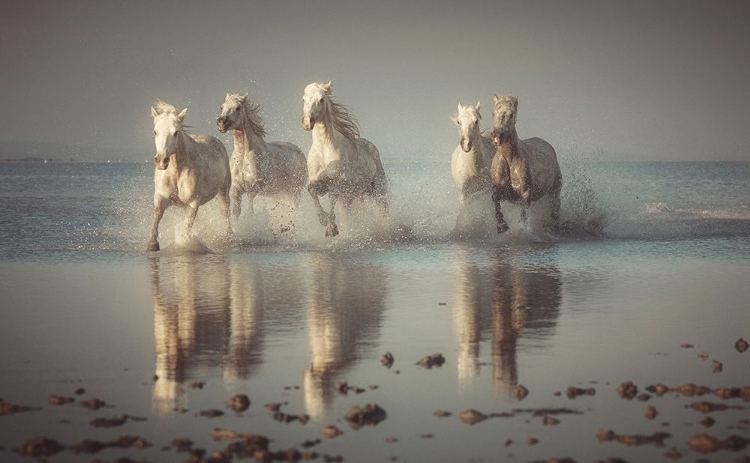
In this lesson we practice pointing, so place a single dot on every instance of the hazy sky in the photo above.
(661, 80)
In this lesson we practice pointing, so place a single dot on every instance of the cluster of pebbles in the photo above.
(255, 446)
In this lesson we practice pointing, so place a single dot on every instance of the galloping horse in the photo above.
(190, 170)
(523, 171)
(276, 169)
(340, 163)
(472, 158)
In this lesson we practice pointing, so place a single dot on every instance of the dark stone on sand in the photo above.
(650, 412)
(657, 438)
(472, 416)
(93, 404)
(627, 390)
(532, 441)
(573, 392)
(717, 366)
(109, 422)
(197, 384)
(331, 431)
(434, 360)
(741, 345)
(687, 346)
(60, 400)
(426, 436)
(703, 355)
(182, 444)
(342, 387)
(644, 397)
(521, 392)
(387, 360)
(369, 415)
(11, 409)
(274, 407)
(310, 443)
(88, 446)
(708, 421)
(239, 403)
(79, 391)
(212, 413)
(39, 447)
(441, 413)
(550, 421)
(391, 440)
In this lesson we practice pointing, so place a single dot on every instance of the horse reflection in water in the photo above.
(207, 313)
(346, 303)
(510, 302)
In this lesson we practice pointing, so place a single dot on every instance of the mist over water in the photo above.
(94, 208)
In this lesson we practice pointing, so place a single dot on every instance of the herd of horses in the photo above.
(193, 169)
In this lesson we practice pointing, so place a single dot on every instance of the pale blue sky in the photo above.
(661, 80)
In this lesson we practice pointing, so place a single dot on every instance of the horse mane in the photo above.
(252, 115)
(343, 121)
(506, 100)
(164, 108)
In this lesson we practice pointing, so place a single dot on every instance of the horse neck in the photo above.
(323, 131)
(185, 150)
(509, 147)
(248, 143)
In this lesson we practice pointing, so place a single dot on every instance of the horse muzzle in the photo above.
(497, 138)
(466, 145)
(221, 124)
(161, 162)
(308, 122)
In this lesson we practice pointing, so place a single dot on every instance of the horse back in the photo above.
(542, 164)
(211, 163)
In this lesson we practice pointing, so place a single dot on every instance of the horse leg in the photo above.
(331, 228)
(236, 193)
(192, 211)
(160, 205)
(497, 197)
(223, 198)
(316, 189)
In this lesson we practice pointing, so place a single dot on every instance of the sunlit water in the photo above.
(653, 256)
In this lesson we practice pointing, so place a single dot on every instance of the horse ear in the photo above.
(479, 105)
(497, 98)
(154, 113)
(327, 86)
(244, 97)
(459, 107)
(181, 116)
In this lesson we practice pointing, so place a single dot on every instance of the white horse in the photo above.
(472, 158)
(277, 169)
(190, 170)
(340, 163)
(523, 171)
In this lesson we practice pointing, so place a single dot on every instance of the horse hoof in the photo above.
(331, 231)
(502, 228)
(153, 246)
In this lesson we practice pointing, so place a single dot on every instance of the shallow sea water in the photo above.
(286, 320)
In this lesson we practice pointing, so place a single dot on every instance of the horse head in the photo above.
(314, 101)
(467, 120)
(504, 118)
(231, 112)
(168, 125)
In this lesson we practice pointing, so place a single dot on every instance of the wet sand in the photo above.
(580, 350)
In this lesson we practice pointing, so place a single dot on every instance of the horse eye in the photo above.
(320, 100)
(154, 132)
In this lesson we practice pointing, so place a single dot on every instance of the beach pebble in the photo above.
(387, 360)
(532, 441)
(472, 416)
(650, 412)
(11, 409)
(573, 392)
(331, 431)
(521, 392)
(434, 360)
(310, 443)
(239, 403)
(627, 390)
(39, 447)
(109, 422)
(197, 384)
(391, 440)
(60, 400)
(182, 444)
(644, 397)
(741, 345)
(718, 366)
(369, 415)
(93, 404)
(708, 421)
(550, 421)
(687, 346)
(79, 391)
(212, 413)
(441, 413)
(703, 355)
